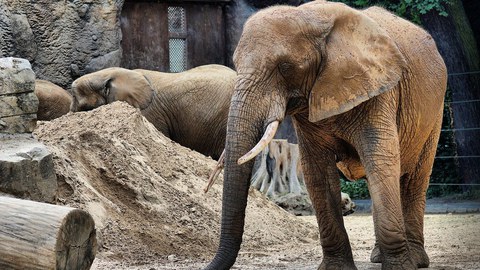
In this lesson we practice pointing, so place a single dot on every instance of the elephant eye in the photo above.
(285, 68)
(106, 89)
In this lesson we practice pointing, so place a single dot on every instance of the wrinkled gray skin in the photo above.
(365, 88)
(190, 107)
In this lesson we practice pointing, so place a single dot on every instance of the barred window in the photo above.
(177, 28)
(177, 52)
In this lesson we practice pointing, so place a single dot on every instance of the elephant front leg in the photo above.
(323, 185)
(380, 155)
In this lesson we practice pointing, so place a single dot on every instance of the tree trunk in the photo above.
(280, 177)
(472, 8)
(457, 45)
(37, 235)
(277, 174)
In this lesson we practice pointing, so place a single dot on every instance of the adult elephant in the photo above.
(365, 89)
(53, 101)
(190, 107)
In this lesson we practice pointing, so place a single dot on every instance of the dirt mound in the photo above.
(145, 192)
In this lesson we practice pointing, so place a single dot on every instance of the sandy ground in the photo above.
(145, 193)
(452, 242)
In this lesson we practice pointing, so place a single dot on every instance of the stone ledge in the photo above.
(22, 103)
(26, 168)
(18, 123)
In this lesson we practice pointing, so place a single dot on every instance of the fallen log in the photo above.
(36, 235)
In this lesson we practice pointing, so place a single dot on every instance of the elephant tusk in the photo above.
(216, 171)
(264, 141)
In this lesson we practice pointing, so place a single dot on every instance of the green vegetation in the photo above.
(409, 9)
(357, 190)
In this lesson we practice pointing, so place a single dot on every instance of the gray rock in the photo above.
(18, 102)
(26, 168)
(23, 37)
(111, 59)
(16, 76)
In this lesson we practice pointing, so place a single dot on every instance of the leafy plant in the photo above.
(409, 9)
(357, 190)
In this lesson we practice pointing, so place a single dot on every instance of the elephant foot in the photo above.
(419, 256)
(336, 264)
(376, 256)
(398, 261)
(398, 265)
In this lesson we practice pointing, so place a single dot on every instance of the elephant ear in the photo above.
(132, 87)
(361, 61)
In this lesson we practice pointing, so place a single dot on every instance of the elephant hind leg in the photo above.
(380, 153)
(414, 189)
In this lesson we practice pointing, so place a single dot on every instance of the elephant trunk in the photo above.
(247, 120)
(235, 187)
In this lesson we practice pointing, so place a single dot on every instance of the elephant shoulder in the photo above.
(412, 40)
(153, 74)
(212, 68)
(212, 77)
(397, 27)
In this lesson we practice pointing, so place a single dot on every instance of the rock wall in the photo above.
(62, 39)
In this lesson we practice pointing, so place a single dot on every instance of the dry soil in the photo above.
(145, 193)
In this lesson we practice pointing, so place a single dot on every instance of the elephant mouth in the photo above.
(353, 206)
(351, 211)
(297, 105)
(89, 106)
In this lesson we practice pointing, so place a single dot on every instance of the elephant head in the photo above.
(348, 206)
(108, 85)
(319, 60)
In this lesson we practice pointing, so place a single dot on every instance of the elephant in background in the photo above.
(190, 107)
(53, 101)
(365, 90)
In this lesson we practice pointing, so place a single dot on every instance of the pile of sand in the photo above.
(145, 192)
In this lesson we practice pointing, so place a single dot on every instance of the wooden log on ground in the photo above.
(36, 235)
